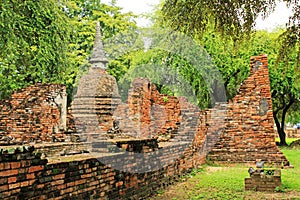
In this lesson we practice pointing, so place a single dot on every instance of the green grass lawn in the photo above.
(291, 177)
(228, 183)
(288, 140)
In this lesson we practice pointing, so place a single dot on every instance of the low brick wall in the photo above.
(292, 133)
(24, 175)
(263, 183)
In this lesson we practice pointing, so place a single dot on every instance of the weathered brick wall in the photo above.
(33, 114)
(248, 134)
(262, 182)
(147, 112)
(24, 175)
(292, 133)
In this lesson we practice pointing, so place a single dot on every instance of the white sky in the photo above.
(278, 18)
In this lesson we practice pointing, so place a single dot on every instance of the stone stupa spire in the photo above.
(98, 59)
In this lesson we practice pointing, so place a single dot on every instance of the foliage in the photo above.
(233, 18)
(50, 41)
(177, 64)
(83, 15)
(232, 62)
(34, 42)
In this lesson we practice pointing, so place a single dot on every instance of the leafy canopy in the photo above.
(34, 42)
(233, 18)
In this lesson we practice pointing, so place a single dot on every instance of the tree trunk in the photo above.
(280, 130)
(280, 125)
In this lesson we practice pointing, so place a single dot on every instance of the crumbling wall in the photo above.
(34, 114)
(248, 133)
(147, 113)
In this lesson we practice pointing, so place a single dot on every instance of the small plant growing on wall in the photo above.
(166, 99)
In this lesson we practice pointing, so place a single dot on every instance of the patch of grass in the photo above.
(216, 182)
(220, 183)
(288, 140)
(291, 177)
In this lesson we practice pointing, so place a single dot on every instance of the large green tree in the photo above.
(34, 42)
(51, 41)
(235, 20)
(83, 15)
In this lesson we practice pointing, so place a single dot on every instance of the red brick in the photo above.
(15, 165)
(59, 176)
(71, 184)
(2, 166)
(79, 182)
(14, 186)
(9, 172)
(120, 183)
(3, 188)
(24, 183)
(30, 176)
(12, 179)
(61, 187)
(59, 182)
(35, 169)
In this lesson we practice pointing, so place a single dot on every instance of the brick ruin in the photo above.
(34, 114)
(153, 140)
(263, 180)
(248, 133)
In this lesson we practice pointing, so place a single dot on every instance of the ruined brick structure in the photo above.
(263, 182)
(96, 96)
(34, 114)
(172, 136)
(147, 113)
(248, 133)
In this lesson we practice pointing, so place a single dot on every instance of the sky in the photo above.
(278, 18)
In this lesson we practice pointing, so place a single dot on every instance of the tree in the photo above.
(51, 41)
(83, 16)
(34, 42)
(234, 20)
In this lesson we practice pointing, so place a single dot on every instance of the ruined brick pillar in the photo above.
(248, 133)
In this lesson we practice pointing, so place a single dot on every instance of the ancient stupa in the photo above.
(96, 97)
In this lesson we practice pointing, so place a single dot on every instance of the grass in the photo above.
(291, 177)
(216, 182)
(288, 140)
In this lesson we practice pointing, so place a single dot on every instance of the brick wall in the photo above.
(148, 113)
(248, 133)
(262, 182)
(24, 175)
(33, 114)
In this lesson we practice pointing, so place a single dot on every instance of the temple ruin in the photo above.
(103, 148)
